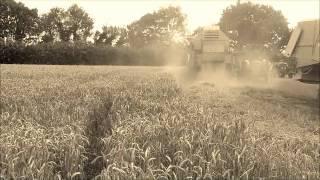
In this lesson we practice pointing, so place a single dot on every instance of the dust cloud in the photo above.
(222, 81)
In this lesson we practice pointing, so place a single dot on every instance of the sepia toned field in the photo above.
(81, 122)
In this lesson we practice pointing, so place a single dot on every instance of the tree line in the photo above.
(65, 36)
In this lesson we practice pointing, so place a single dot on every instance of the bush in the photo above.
(66, 53)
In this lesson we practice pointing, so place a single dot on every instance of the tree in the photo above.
(52, 25)
(159, 26)
(111, 35)
(6, 18)
(17, 21)
(123, 37)
(249, 23)
(78, 23)
(73, 24)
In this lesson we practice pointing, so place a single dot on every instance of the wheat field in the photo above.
(104, 122)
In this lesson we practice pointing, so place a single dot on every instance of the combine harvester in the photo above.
(303, 49)
(210, 50)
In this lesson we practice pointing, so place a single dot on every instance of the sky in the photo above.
(199, 12)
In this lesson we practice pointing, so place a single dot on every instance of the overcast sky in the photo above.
(199, 12)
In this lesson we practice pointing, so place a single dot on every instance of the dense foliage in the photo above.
(18, 21)
(86, 53)
(249, 23)
(160, 26)
(111, 35)
(73, 24)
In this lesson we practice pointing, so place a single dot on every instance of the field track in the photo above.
(153, 122)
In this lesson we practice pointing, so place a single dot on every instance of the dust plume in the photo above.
(223, 81)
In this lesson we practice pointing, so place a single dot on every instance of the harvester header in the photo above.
(303, 47)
